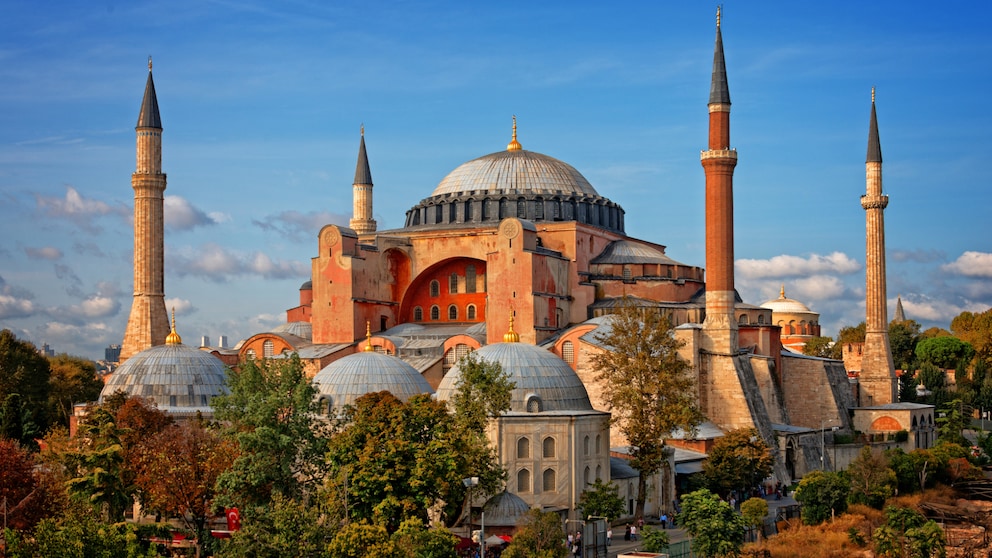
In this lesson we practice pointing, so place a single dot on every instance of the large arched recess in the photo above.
(399, 270)
(419, 292)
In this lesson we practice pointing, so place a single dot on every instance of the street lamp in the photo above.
(469, 483)
(823, 448)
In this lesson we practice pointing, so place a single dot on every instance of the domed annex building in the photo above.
(799, 324)
(178, 379)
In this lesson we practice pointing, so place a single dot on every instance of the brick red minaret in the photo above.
(718, 162)
(148, 324)
(877, 378)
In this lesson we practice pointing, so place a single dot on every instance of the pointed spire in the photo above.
(368, 338)
(514, 145)
(363, 175)
(173, 337)
(149, 117)
(719, 90)
(900, 314)
(511, 336)
(874, 145)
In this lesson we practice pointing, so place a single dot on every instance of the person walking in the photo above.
(633, 532)
(664, 520)
(626, 535)
(609, 536)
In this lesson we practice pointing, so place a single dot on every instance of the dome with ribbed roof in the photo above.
(543, 381)
(505, 509)
(300, 329)
(785, 305)
(343, 381)
(514, 172)
(180, 380)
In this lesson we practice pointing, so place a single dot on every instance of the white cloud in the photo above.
(180, 214)
(15, 302)
(217, 263)
(971, 264)
(76, 208)
(295, 225)
(181, 306)
(793, 266)
(43, 253)
(93, 307)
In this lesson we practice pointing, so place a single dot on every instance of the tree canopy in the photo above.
(976, 330)
(739, 460)
(943, 352)
(716, 529)
(24, 373)
(822, 494)
(647, 386)
(72, 380)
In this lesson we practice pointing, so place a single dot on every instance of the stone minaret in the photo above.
(719, 162)
(362, 221)
(148, 324)
(878, 379)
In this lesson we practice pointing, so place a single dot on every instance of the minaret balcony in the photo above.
(718, 154)
(874, 202)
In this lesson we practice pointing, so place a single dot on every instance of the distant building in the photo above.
(112, 353)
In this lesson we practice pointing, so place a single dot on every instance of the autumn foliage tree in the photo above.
(646, 386)
(540, 536)
(26, 497)
(739, 460)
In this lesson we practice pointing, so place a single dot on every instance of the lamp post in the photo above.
(469, 483)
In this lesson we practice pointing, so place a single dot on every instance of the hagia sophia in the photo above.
(517, 257)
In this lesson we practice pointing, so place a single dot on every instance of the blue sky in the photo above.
(261, 107)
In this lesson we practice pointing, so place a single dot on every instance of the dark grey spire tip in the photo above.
(719, 90)
(874, 145)
(149, 117)
(363, 175)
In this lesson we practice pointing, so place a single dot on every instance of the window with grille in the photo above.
(268, 349)
(549, 447)
(461, 350)
(435, 313)
(418, 314)
(522, 209)
(523, 481)
(452, 312)
(568, 352)
(435, 288)
(523, 448)
(250, 354)
(550, 481)
(470, 278)
(470, 312)
(453, 284)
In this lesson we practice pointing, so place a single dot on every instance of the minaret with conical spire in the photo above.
(900, 313)
(877, 379)
(148, 324)
(718, 163)
(362, 221)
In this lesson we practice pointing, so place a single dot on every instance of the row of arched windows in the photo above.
(549, 481)
(435, 313)
(743, 320)
(470, 283)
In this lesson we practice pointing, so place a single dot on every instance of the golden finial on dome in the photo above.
(781, 292)
(368, 337)
(514, 145)
(173, 338)
(719, 8)
(149, 62)
(511, 336)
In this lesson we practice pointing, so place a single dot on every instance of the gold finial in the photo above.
(368, 337)
(173, 338)
(149, 63)
(781, 292)
(873, 94)
(511, 336)
(719, 8)
(514, 145)
(363, 128)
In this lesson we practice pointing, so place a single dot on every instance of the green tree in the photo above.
(272, 416)
(903, 337)
(716, 529)
(397, 460)
(823, 347)
(952, 419)
(18, 421)
(647, 387)
(78, 534)
(540, 536)
(907, 533)
(421, 542)
(739, 460)
(284, 527)
(976, 330)
(23, 371)
(73, 380)
(602, 500)
(95, 466)
(654, 540)
(943, 352)
(872, 481)
(822, 495)
(852, 334)
(935, 381)
(754, 511)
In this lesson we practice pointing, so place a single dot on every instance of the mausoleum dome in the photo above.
(343, 381)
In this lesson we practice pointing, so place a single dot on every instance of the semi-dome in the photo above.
(180, 380)
(515, 172)
(785, 305)
(543, 381)
(343, 381)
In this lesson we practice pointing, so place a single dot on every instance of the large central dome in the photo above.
(516, 172)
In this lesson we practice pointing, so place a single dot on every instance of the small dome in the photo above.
(299, 329)
(629, 252)
(343, 381)
(179, 379)
(785, 305)
(543, 381)
(505, 510)
(517, 171)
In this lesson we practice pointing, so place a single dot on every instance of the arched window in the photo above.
(438, 213)
(470, 312)
(418, 314)
(585, 475)
(627, 274)
(435, 288)
(523, 448)
(470, 278)
(761, 319)
(599, 446)
(522, 209)
(461, 350)
(549, 484)
(435, 313)
(452, 212)
(523, 480)
(250, 354)
(549, 447)
(568, 352)
(452, 312)
(468, 210)
(742, 320)
(533, 404)
(453, 283)
(599, 472)
(585, 445)
(539, 209)
(268, 349)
